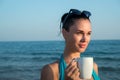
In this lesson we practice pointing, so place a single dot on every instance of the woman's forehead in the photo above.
(83, 24)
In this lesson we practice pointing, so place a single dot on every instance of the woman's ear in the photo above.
(64, 33)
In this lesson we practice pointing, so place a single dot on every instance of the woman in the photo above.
(76, 30)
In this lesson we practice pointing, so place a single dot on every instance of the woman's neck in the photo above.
(69, 55)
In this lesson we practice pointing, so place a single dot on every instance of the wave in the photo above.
(102, 68)
(28, 58)
(46, 53)
(108, 58)
(103, 52)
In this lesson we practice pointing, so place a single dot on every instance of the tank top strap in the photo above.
(95, 76)
(62, 66)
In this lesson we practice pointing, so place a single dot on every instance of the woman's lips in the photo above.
(82, 45)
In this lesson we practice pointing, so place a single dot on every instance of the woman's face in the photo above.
(78, 37)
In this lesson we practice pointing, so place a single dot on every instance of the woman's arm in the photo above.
(96, 68)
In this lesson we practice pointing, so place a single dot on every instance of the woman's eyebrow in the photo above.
(82, 31)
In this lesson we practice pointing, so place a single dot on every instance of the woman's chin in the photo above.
(82, 50)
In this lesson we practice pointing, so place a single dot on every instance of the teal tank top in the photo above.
(62, 66)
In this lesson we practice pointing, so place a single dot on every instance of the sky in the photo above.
(39, 20)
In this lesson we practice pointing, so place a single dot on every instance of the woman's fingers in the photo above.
(72, 71)
(75, 73)
(71, 64)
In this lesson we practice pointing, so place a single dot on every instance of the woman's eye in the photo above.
(89, 33)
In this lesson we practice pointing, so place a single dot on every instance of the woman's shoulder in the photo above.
(54, 64)
(51, 70)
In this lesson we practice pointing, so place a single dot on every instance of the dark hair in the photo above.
(69, 19)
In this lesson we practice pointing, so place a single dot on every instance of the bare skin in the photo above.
(77, 40)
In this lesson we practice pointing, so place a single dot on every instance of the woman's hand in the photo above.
(72, 72)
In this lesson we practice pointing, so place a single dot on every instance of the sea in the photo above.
(23, 60)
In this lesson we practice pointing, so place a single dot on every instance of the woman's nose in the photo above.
(83, 39)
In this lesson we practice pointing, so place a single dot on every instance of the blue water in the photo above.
(24, 60)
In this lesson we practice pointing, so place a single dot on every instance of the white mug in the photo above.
(85, 65)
